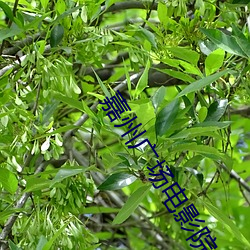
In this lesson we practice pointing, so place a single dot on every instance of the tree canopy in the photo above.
(72, 174)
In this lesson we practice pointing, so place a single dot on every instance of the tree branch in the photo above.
(236, 177)
(243, 111)
(21, 44)
(20, 203)
(16, 63)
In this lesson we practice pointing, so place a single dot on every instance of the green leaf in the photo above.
(244, 45)
(216, 110)
(204, 150)
(35, 183)
(107, 236)
(219, 125)
(132, 203)
(104, 89)
(158, 97)
(68, 12)
(20, 20)
(147, 35)
(198, 175)
(56, 131)
(98, 210)
(223, 41)
(9, 211)
(49, 110)
(7, 10)
(188, 104)
(66, 172)
(214, 61)
(49, 244)
(182, 146)
(8, 180)
(117, 181)
(70, 101)
(44, 3)
(9, 32)
(108, 3)
(177, 74)
(193, 132)
(56, 35)
(127, 76)
(41, 243)
(88, 111)
(162, 12)
(143, 81)
(238, 33)
(36, 21)
(189, 68)
(202, 114)
(186, 54)
(227, 223)
(194, 161)
(207, 46)
(13, 246)
(166, 117)
(197, 85)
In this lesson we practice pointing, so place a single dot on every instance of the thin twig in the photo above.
(204, 192)
(9, 24)
(148, 14)
(244, 195)
(122, 86)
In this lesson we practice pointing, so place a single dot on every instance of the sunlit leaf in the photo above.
(67, 172)
(202, 114)
(185, 54)
(8, 180)
(223, 41)
(162, 12)
(197, 85)
(214, 61)
(216, 110)
(158, 97)
(117, 181)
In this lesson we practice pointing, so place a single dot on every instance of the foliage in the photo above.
(67, 179)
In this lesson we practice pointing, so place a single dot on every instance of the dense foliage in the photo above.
(67, 179)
